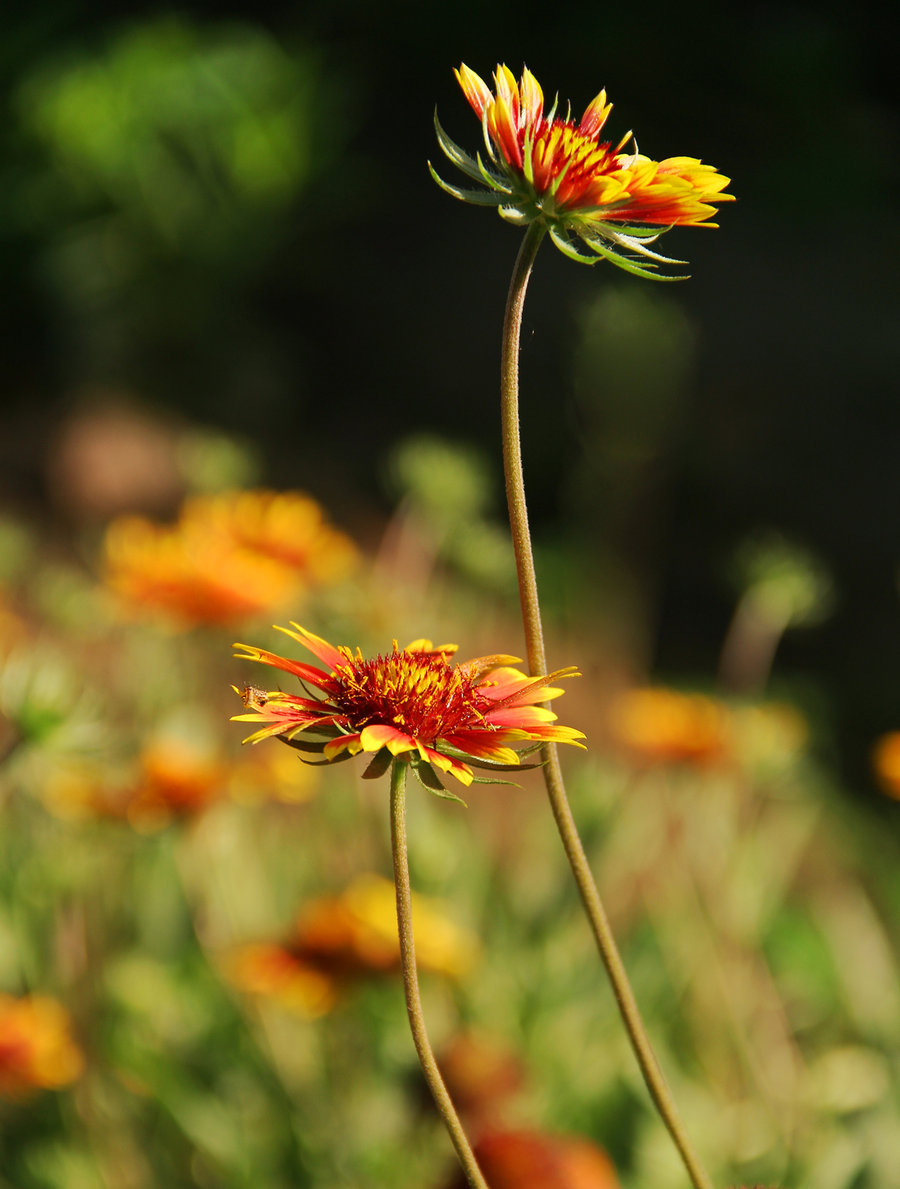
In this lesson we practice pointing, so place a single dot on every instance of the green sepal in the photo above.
(487, 766)
(644, 232)
(303, 744)
(454, 153)
(491, 179)
(479, 197)
(429, 779)
(514, 215)
(632, 266)
(338, 759)
(378, 765)
(487, 780)
(637, 270)
(568, 250)
(634, 245)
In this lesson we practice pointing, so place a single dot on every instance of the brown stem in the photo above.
(537, 661)
(436, 1085)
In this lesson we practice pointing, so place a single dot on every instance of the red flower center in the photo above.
(417, 692)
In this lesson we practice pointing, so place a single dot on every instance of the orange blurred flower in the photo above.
(535, 1160)
(174, 779)
(37, 1051)
(411, 702)
(481, 1076)
(542, 168)
(886, 763)
(229, 557)
(661, 726)
(287, 527)
(340, 939)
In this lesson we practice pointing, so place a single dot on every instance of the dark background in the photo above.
(347, 303)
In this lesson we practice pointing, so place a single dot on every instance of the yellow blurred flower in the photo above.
(262, 774)
(886, 763)
(341, 939)
(662, 726)
(37, 1051)
(229, 557)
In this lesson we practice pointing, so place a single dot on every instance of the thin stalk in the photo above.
(537, 661)
(436, 1085)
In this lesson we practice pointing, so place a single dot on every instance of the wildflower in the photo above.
(410, 703)
(36, 1049)
(544, 168)
(338, 940)
(228, 557)
(660, 726)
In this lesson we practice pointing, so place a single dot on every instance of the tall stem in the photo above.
(436, 1085)
(537, 661)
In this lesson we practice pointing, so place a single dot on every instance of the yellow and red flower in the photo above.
(410, 703)
(37, 1051)
(339, 940)
(544, 168)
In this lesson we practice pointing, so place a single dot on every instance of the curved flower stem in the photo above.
(537, 661)
(430, 1069)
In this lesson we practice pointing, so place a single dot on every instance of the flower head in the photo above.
(410, 703)
(545, 168)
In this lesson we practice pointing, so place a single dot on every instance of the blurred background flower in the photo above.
(340, 939)
(229, 557)
(37, 1051)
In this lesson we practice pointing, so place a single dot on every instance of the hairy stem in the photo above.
(436, 1085)
(537, 661)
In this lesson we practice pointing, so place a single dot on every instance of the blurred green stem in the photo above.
(537, 662)
(430, 1069)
